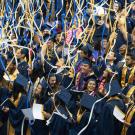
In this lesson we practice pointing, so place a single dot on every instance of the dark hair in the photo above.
(131, 55)
(17, 88)
(42, 97)
(25, 52)
(93, 79)
(51, 75)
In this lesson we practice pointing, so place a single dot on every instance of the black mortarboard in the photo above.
(76, 95)
(92, 76)
(87, 101)
(76, 92)
(22, 81)
(86, 61)
(114, 88)
(64, 96)
(87, 49)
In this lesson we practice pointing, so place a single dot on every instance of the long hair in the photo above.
(17, 88)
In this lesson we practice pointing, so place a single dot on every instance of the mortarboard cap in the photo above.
(87, 49)
(87, 101)
(64, 96)
(86, 61)
(22, 81)
(77, 92)
(92, 77)
(114, 88)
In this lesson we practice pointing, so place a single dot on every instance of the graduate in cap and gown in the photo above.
(85, 72)
(4, 94)
(86, 103)
(61, 120)
(14, 105)
(40, 96)
(126, 74)
(22, 56)
(108, 124)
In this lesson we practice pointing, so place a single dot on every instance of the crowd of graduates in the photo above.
(75, 58)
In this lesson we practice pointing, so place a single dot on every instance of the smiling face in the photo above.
(52, 81)
(122, 49)
(85, 68)
(38, 90)
(91, 85)
(116, 7)
(111, 56)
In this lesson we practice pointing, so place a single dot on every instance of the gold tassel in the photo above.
(79, 115)
(123, 77)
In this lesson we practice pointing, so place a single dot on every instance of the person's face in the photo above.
(85, 68)
(82, 54)
(38, 89)
(50, 44)
(52, 81)
(128, 61)
(91, 85)
(99, 20)
(58, 37)
(105, 74)
(116, 6)
(122, 49)
(111, 56)
(11, 67)
(59, 49)
(18, 54)
(30, 71)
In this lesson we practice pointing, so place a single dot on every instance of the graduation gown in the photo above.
(131, 130)
(59, 124)
(90, 130)
(4, 94)
(108, 124)
(39, 127)
(16, 116)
